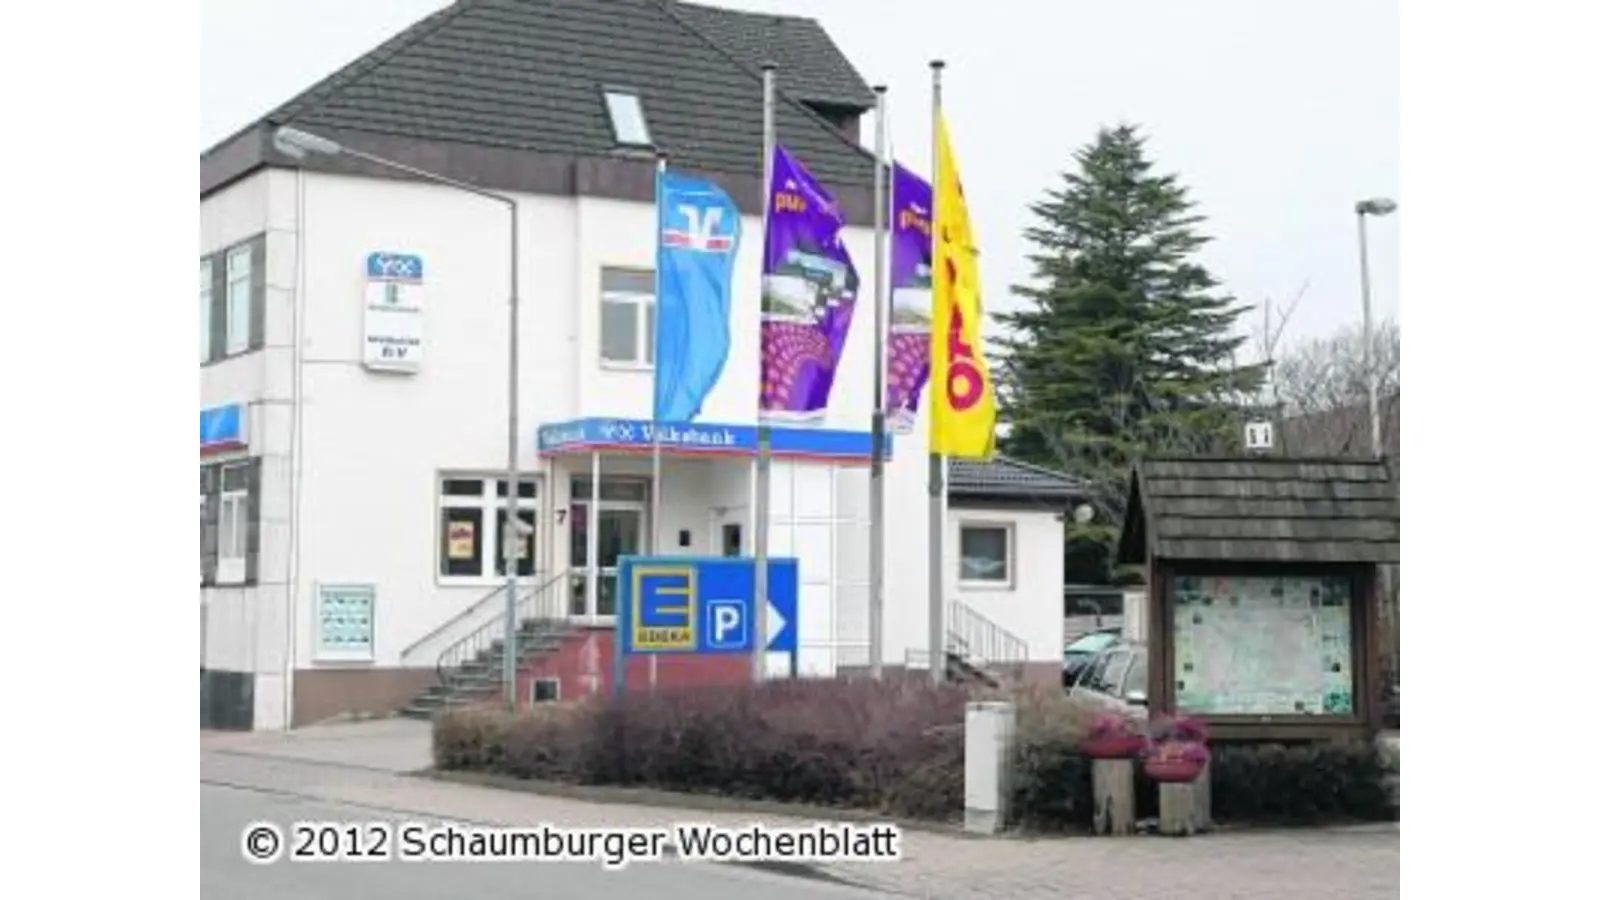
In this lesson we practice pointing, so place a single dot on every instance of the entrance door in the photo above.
(622, 523)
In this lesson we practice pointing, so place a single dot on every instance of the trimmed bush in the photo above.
(471, 740)
(1050, 786)
(1264, 783)
(895, 747)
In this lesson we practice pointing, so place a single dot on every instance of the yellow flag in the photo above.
(963, 416)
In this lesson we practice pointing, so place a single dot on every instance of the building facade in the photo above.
(354, 368)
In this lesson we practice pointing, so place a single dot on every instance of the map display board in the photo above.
(1263, 646)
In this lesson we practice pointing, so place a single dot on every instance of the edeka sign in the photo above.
(685, 604)
(627, 435)
(391, 339)
(222, 428)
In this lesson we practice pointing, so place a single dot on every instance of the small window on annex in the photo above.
(1263, 645)
(985, 554)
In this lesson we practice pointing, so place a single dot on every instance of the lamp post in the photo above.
(297, 144)
(1375, 206)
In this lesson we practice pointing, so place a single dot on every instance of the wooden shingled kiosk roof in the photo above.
(1263, 509)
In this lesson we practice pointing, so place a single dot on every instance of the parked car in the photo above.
(1082, 651)
(1117, 681)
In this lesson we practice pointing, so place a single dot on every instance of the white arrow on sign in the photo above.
(775, 623)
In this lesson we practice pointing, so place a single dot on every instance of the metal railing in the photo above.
(471, 612)
(544, 602)
(980, 641)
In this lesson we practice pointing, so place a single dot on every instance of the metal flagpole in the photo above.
(880, 334)
(763, 502)
(655, 430)
(936, 659)
(509, 656)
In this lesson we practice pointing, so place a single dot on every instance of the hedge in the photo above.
(892, 746)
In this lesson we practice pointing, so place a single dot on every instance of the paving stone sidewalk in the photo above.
(360, 764)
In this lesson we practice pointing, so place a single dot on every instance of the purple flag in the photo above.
(808, 294)
(910, 295)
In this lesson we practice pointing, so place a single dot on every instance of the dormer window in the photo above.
(628, 124)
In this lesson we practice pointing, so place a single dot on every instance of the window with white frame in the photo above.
(205, 309)
(986, 550)
(238, 306)
(627, 317)
(233, 522)
(468, 547)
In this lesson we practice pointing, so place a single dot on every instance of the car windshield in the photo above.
(1092, 643)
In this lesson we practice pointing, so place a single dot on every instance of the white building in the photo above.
(351, 503)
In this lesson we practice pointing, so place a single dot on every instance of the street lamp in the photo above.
(1374, 206)
(298, 144)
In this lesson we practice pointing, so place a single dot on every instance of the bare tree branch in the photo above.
(1322, 386)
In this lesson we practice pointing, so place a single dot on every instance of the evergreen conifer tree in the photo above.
(1123, 346)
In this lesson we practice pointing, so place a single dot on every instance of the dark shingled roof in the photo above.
(813, 68)
(528, 75)
(1008, 478)
(1267, 509)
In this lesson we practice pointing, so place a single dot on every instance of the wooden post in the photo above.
(1177, 809)
(1186, 808)
(1113, 796)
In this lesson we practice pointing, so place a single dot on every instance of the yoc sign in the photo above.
(392, 332)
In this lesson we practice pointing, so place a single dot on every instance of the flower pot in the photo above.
(1117, 745)
(1188, 729)
(1176, 762)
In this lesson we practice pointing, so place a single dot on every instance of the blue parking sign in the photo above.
(687, 604)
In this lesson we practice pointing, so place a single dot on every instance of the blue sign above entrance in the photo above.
(686, 604)
(222, 428)
(583, 435)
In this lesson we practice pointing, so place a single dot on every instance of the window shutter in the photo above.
(258, 292)
(219, 306)
(208, 524)
(252, 547)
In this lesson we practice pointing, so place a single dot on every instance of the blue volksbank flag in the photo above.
(695, 250)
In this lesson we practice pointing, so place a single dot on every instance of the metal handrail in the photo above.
(540, 603)
(468, 613)
(980, 640)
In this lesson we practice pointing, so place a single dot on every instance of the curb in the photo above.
(617, 796)
(652, 797)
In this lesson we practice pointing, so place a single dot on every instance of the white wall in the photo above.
(246, 627)
(1031, 607)
(374, 444)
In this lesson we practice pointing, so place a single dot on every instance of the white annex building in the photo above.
(354, 379)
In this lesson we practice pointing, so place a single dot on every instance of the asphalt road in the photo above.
(225, 874)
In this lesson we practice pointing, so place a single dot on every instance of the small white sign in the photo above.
(391, 339)
(1258, 436)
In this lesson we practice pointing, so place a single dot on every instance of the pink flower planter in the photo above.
(1114, 737)
(1176, 762)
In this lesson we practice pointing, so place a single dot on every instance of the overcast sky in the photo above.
(1278, 115)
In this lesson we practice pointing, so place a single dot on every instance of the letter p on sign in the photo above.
(730, 627)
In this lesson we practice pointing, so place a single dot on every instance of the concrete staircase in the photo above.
(470, 666)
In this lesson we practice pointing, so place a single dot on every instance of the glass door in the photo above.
(621, 533)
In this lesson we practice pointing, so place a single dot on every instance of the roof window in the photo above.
(628, 124)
